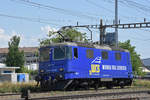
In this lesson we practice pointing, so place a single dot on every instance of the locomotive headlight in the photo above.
(61, 69)
(60, 76)
(42, 71)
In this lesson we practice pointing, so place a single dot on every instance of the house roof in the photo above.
(25, 49)
(3, 66)
(9, 67)
(146, 62)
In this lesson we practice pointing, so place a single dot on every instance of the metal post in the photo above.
(101, 32)
(91, 33)
(116, 22)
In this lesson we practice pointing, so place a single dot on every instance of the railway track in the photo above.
(101, 94)
(132, 95)
(8, 94)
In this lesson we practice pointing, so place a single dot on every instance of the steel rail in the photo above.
(9, 94)
(89, 95)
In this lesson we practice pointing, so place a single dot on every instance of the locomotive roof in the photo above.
(89, 45)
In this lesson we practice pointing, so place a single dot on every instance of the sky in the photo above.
(33, 19)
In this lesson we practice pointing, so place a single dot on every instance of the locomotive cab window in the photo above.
(68, 52)
(44, 54)
(89, 54)
(75, 53)
(59, 53)
(104, 55)
(118, 56)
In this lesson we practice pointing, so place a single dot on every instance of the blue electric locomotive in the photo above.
(71, 65)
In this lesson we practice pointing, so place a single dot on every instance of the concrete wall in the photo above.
(5, 69)
(5, 78)
(12, 77)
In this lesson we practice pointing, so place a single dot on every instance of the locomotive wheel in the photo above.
(87, 88)
(109, 86)
(122, 84)
(96, 87)
(46, 85)
(43, 85)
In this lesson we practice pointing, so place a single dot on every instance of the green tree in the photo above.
(135, 58)
(14, 56)
(72, 34)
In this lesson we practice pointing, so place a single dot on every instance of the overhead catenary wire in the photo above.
(29, 19)
(134, 4)
(34, 5)
(56, 9)
(99, 6)
(125, 3)
(140, 7)
(123, 16)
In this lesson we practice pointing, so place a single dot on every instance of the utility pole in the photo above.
(102, 29)
(116, 23)
(101, 32)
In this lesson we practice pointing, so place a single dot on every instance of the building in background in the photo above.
(7, 70)
(7, 74)
(31, 56)
(146, 67)
(146, 62)
(110, 38)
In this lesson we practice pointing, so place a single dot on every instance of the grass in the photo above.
(18, 87)
(141, 83)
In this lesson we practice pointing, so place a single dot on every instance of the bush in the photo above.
(141, 83)
(31, 72)
(18, 87)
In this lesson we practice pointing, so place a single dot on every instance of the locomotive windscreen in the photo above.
(59, 53)
(44, 54)
(62, 53)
